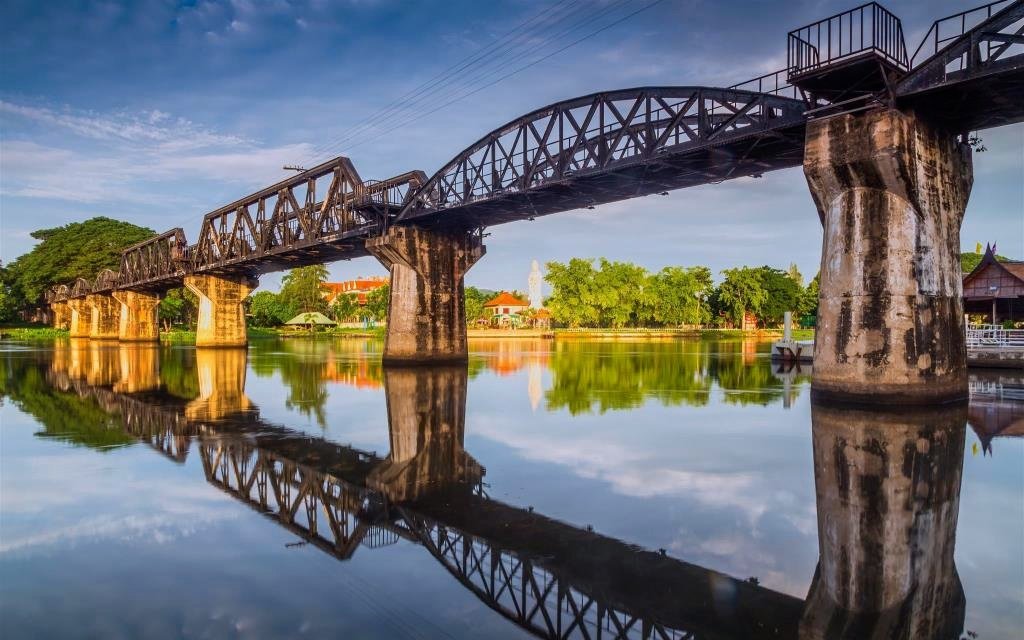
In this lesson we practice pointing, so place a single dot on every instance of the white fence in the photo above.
(993, 336)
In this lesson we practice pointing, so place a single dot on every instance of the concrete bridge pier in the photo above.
(137, 320)
(891, 191)
(106, 316)
(79, 318)
(221, 321)
(426, 313)
(887, 488)
(61, 315)
(427, 428)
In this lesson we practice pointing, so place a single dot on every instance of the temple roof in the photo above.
(506, 298)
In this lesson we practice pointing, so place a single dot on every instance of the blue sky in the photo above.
(158, 111)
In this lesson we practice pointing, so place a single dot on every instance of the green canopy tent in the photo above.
(311, 319)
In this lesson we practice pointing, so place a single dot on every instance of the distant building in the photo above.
(360, 287)
(995, 289)
(505, 309)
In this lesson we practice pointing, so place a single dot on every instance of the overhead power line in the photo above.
(487, 55)
(511, 73)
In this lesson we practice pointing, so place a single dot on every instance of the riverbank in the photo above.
(183, 336)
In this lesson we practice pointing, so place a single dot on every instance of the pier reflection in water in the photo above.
(887, 485)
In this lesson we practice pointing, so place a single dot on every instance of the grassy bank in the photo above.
(32, 333)
(187, 336)
(798, 334)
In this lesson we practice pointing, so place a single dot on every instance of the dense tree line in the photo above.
(622, 294)
(79, 249)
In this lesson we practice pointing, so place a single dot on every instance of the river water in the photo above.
(564, 488)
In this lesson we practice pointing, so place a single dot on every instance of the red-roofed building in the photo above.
(506, 304)
(359, 287)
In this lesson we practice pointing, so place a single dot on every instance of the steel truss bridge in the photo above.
(967, 74)
(550, 578)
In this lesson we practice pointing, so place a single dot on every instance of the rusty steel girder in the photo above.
(612, 146)
(80, 288)
(271, 230)
(106, 281)
(154, 261)
(973, 75)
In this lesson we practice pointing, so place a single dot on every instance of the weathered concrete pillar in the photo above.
(106, 316)
(80, 319)
(888, 495)
(61, 315)
(221, 320)
(221, 384)
(426, 313)
(138, 321)
(891, 192)
(426, 425)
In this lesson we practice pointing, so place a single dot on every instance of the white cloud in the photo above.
(149, 157)
(138, 128)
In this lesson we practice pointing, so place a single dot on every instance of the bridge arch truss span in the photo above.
(154, 261)
(106, 281)
(611, 146)
(319, 215)
(80, 288)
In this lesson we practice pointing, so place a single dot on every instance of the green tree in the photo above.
(79, 249)
(345, 307)
(740, 292)
(377, 303)
(619, 293)
(572, 300)
(679, 295)
(8, 304)
(783, 294)
(475, 299)
(809, 298)
(301, 289)
(178, 306)
(266, 309)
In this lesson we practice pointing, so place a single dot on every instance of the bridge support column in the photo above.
(887, 495)
(61, 314)
(138, 321)
(221, 320)
(891, 192)
(106, 316)
(426, 313)
(80, 318)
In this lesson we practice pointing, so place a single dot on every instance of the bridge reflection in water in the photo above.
(887, 494)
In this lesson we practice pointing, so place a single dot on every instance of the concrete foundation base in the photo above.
(426, 313)
(106, 316)
(891, 193)
(221, 321)
(138, 321)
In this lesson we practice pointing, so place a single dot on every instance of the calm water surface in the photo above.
(571, 488)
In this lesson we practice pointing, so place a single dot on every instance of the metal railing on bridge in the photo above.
(945, 31)
(993, 336)
(869, 28)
